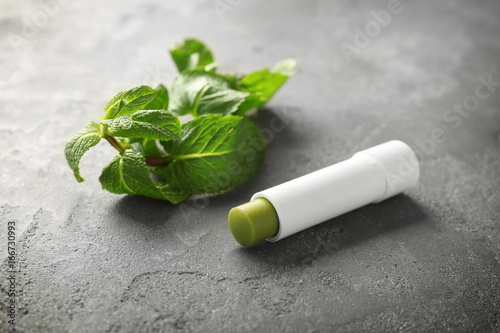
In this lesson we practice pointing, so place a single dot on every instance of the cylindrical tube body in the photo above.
(369, 176)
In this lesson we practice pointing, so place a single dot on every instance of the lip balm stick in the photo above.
(369, 176)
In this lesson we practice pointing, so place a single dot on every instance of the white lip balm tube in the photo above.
(369, 176)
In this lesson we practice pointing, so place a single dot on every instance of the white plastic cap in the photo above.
(400, 164)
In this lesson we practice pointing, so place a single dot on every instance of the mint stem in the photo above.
(150, 161)
(115, 143)
(158, 161)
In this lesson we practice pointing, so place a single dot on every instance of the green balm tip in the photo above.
(253, 222)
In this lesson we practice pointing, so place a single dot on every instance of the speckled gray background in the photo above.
(91, 261)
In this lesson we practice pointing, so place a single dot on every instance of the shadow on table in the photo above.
(338, 234)
(144, 211)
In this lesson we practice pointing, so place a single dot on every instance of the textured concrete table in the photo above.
(90, 261)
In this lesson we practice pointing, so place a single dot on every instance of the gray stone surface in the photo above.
(90, 261)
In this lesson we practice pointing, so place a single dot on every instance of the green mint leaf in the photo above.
(201, 93)
(160, 171)
(233, 79)
(160, 101)
(263, 84)
(114, 109)
(129, 174)
(216, 153)
(112, 177)
(214, 100)
(134, 99)
(88, 137)
(154, 125)
(171, 194)
(161, 118)
(192, 54)
(122, 122)
(147, 147)
(135, 175)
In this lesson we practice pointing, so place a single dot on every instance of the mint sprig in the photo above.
(214, 152)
